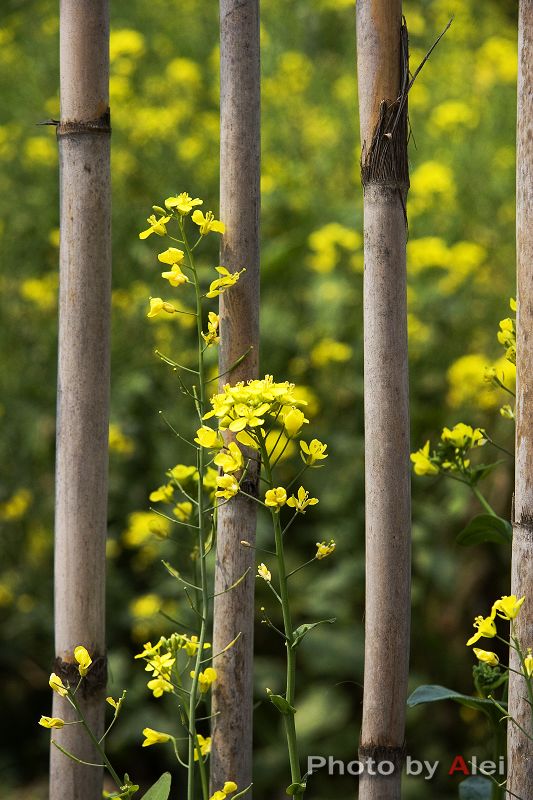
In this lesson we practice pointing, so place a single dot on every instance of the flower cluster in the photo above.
(176, 209)
(161, 659)
(451, 453)
(506, 608)
(507, 334)
(248, 405)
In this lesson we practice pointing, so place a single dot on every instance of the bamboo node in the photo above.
(385, 161)
(380, 752)
(101, 124)
(93, 683)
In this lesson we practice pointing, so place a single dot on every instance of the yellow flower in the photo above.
(485, 629)
(293, 421)
(313, 452)
(83, 658)
(264, 572)
(228, 788)
(163, 494)
(212, 336)
(182, 511)
(508, 606)
(486, 656)
(154, 737)
(507, 337)
(512, 304)
(182, 473)
(246, 416)
(205, 679)
(157, 305)
(160, 665)
(528, 663)
(324, 550)
(422, 463)
(159, 685)
(182, 203)
(191, 645)
(175, 277)
(227, 487)
(51, 722)
(226, 280)
(463, 436)
(171, 256)
(207, 437)
(205, 746)
(207, 223)
(16, 506)
(276, 498)
(301, 502)
(157, 226)
(507, 412)
(57, 685)
(116, 704)
(149, 649)
(230, 461)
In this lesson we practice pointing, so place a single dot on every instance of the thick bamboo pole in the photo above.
(382, 75)
(520, 748)
(231, 753)
(83, 382)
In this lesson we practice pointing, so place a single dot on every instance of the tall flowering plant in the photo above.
(245, 425)
(454, 457)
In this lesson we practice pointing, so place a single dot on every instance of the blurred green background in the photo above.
(164, 99)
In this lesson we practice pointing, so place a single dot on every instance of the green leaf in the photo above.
(433, 694)
(303, 630)
(476, 788)
(486, 528)
(160, 790)
(295, 789)
(281, 704)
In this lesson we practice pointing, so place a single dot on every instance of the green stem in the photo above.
(95, 741)
(193, 737)
(488, 508)
(290, 727)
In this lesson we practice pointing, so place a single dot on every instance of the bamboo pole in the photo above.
(520, 748)
(231, 753)
(382, 81)
(83, 383)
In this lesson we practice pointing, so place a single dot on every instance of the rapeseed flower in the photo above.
(207, 223)
(157, 226)
(507, 607)
(486, 628)
(83, 658)
(276, 498)
(301, 500)
(324, 550)
(154, 737)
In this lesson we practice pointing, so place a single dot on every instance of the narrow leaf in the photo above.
(281, 704)
(303, 630)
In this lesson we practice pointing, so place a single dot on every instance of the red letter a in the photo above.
(459, 765)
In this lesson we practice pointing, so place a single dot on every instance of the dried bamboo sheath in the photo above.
(382, 80)
(231, 752)
(83, 382)
(520, 749)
